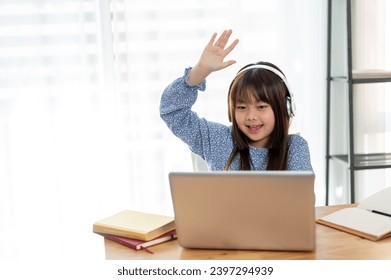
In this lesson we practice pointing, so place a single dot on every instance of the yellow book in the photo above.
(137, 225)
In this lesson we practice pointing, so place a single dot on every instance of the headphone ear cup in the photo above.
(230, 117)
(290, 107)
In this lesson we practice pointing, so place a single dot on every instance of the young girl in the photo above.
(259, 107)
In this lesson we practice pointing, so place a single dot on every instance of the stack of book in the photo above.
(136, 230)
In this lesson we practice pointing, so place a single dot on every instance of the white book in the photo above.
(371, 218)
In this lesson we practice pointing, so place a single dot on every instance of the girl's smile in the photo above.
(253, 129)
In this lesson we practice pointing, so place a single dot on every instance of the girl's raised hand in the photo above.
(214, 53)
(212, 57)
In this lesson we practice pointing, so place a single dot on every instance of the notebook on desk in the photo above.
(244, 210)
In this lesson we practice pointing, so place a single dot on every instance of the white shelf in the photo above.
(371, 74)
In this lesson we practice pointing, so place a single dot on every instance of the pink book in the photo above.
(137, 244)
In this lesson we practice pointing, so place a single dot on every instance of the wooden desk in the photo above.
(331, 244)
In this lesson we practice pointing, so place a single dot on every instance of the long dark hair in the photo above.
(266, 86)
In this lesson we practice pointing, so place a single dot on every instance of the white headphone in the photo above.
(290, 104)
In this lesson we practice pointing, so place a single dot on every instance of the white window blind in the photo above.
(53, 124)
(48, 47)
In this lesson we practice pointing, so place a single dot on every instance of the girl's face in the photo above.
(256, 120)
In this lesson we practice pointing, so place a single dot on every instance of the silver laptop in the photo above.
(245, 210)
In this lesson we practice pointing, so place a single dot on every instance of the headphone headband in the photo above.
(267, 67)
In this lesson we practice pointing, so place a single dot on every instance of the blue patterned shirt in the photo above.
(213, 141)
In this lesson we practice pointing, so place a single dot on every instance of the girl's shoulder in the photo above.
(296, 139)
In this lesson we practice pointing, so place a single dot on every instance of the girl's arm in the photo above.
(175, 110)
(179, 97)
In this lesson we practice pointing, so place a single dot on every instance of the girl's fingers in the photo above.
(231, 47)
(211, 41)
(223, 39)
